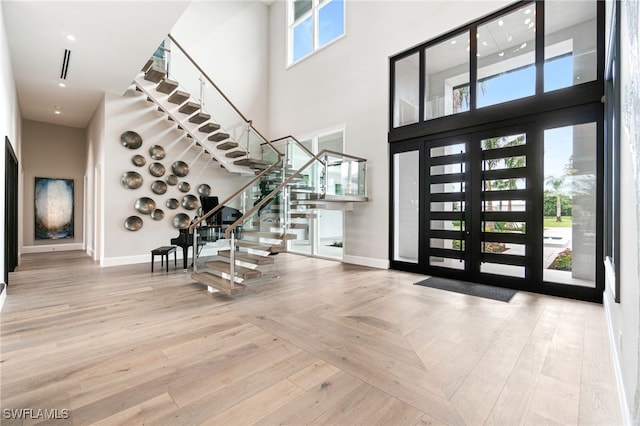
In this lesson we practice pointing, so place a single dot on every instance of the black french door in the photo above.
(478, 206)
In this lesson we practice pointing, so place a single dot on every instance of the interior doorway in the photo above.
(11, 211)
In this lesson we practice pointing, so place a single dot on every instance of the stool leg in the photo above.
(152, 259)
(167, 262)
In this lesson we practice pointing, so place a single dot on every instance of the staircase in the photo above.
(289, 184)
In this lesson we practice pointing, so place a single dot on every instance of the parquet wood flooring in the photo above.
(311, 342)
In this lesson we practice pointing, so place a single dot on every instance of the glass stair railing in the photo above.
(290, 183)
(188, 97)
(281, 200)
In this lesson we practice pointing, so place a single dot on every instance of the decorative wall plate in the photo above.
(131, 180)
(204, 190)
(181, 221)
(189, 202)
(138, 160)
(180, 168)
(131, 140)
(156, 169)
(157, 152)
(172, 179)
(157, 214)
(184, 187)
(133, 223)
(159, 187)
(172, 203)
(145, 205)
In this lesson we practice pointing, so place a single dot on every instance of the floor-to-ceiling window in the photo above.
(496, 136)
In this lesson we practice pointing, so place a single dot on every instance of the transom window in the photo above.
(497, 60)
(313, 24)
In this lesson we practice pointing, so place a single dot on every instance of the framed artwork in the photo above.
(53, 208)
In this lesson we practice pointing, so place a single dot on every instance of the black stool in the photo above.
(163, 252)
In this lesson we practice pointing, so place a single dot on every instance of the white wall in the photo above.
(122, 246)
(228, 40)
(9, 125)
(348, 82)
(624, 317)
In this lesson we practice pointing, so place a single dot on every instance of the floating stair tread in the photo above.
(189, 108)
(218, 283)
(199, 118)
(270, 235)
(209, 128)
(248, 257)
(178, 97)
(167, 86)
(240, 272)
(220, 136)
(272, 248)
(154, 74)
(226, 145)
(252, 163)
(147, 65)
(235, 154)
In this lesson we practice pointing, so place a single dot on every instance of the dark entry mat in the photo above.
(472, 289)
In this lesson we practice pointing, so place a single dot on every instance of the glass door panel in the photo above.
(503, 207)
(447, 246)
(569, 211)
(406, 205)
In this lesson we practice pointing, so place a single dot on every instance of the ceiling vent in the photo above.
(65, 64)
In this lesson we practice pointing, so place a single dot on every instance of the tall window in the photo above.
(312, 25)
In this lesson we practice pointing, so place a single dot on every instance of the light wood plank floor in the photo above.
(314, 342)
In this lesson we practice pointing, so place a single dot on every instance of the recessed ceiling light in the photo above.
(62, 85)
(71, 37)
(523, 45)
(453, 42)
(500, 23)
(527, 21)
(57, 112)
(528, 11)
(501, 54)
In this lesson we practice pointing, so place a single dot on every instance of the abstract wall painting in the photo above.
(53, 208)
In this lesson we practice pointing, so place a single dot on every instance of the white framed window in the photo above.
(313, 24)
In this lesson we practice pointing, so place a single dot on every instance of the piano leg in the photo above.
(185, 253)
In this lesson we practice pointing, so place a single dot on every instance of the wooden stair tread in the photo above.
(235, 154)
(218, 283)
(154, 74)
(189, 107)
(220, 136)
(167, 86)
(251, 162)
(227, 145)
(248, 257)
(209, 128)
(256, 245)
(199, 118)
(269, 235)
(240, 272)
(178, 97)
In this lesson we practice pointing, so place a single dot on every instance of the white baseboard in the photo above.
(125, 260)
(622, 396)
(44, 248)
(3, 296)
(366, 261)
(144, 258)
(91, 253)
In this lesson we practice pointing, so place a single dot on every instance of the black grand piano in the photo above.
(214, 230)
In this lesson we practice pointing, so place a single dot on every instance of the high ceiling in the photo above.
(113, 40)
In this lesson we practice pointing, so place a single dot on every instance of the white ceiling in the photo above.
(113, 40)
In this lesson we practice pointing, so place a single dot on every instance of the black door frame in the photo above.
(11, 211)
(535, 126)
